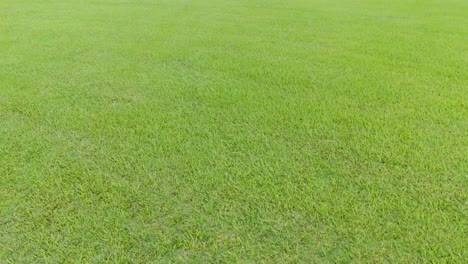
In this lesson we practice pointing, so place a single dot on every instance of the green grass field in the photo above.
(247, 131)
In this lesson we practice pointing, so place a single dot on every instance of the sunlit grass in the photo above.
(208, 131)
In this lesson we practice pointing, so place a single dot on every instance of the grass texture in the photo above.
(247, 131)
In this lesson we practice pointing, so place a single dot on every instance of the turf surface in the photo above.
(251, 131)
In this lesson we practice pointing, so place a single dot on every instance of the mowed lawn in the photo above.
(247, 131)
